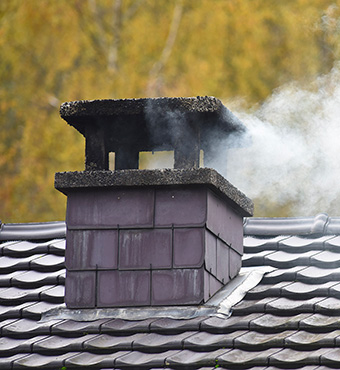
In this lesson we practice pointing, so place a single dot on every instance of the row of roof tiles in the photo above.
(321, 224)
(172, 359)
(58, 336)
(291, 319)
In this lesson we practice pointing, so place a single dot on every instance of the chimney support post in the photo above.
(126, 158)
(96, 155)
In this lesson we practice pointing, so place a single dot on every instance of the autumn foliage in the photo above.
(59, 50)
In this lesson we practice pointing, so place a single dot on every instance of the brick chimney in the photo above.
(150, 237)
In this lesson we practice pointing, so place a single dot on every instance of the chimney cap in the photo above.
(112, 107)
(130, 126)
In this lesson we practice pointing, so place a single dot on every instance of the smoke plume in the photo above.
(294, 157)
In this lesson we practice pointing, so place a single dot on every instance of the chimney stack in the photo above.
(150, 237)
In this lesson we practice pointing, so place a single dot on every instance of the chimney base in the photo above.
(150, 237)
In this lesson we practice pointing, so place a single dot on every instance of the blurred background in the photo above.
(273, 63)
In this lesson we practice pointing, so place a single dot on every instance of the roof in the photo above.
(289, 320)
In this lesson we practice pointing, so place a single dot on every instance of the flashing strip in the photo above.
(130, 313)
(235, 291)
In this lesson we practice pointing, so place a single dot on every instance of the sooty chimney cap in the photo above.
(129, 126)
(116, 107)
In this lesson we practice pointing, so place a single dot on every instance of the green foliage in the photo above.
(55, 51)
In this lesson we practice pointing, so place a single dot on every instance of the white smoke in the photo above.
(295, 152)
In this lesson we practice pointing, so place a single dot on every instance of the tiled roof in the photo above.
(291, 319)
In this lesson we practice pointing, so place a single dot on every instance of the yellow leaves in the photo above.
(54, 51)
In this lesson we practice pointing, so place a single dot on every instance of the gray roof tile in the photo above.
(333, 244)
(311, 367)
(33, 231)
(138, 359)
(332, 226)
(10, 264)
(320, 224)
(203, 341)
(335, 290)
(297, 244)
(7, 362)
(86, 359)
(307, 341)
(187, 357)
(35, 360)
(222, 325)
(18, 345)
(238, 357)
(126, 327)
(291, 318)
(8, 312)
(108, 343)
(169, 368)
(36, 278)
(320, 322)
(24, 248)
(328, 306)
(174, 326)
(318, 275)
(34, 310)
(279, 275)
(331, 357)
(7, 322)
(53, 294)
(255, 245)
(155, 342)
(296, 289)
(294, 358)
(255, 259)
(56, 344)
(331, 259)
(273, 323)
(7, 278)
(57, 246)
(24, 328)
(16, 295)
(286, 306)
(253, 340)
(48, 262)
(268, 290)
(6, 243)
(250, 306)
(77, 328)
(283, 259)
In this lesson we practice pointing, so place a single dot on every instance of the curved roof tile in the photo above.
(291, 318)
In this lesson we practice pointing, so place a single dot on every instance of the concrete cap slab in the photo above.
(66, 181)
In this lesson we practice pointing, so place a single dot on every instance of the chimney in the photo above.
(150, 237)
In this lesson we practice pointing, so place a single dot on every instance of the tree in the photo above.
(55, 51)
